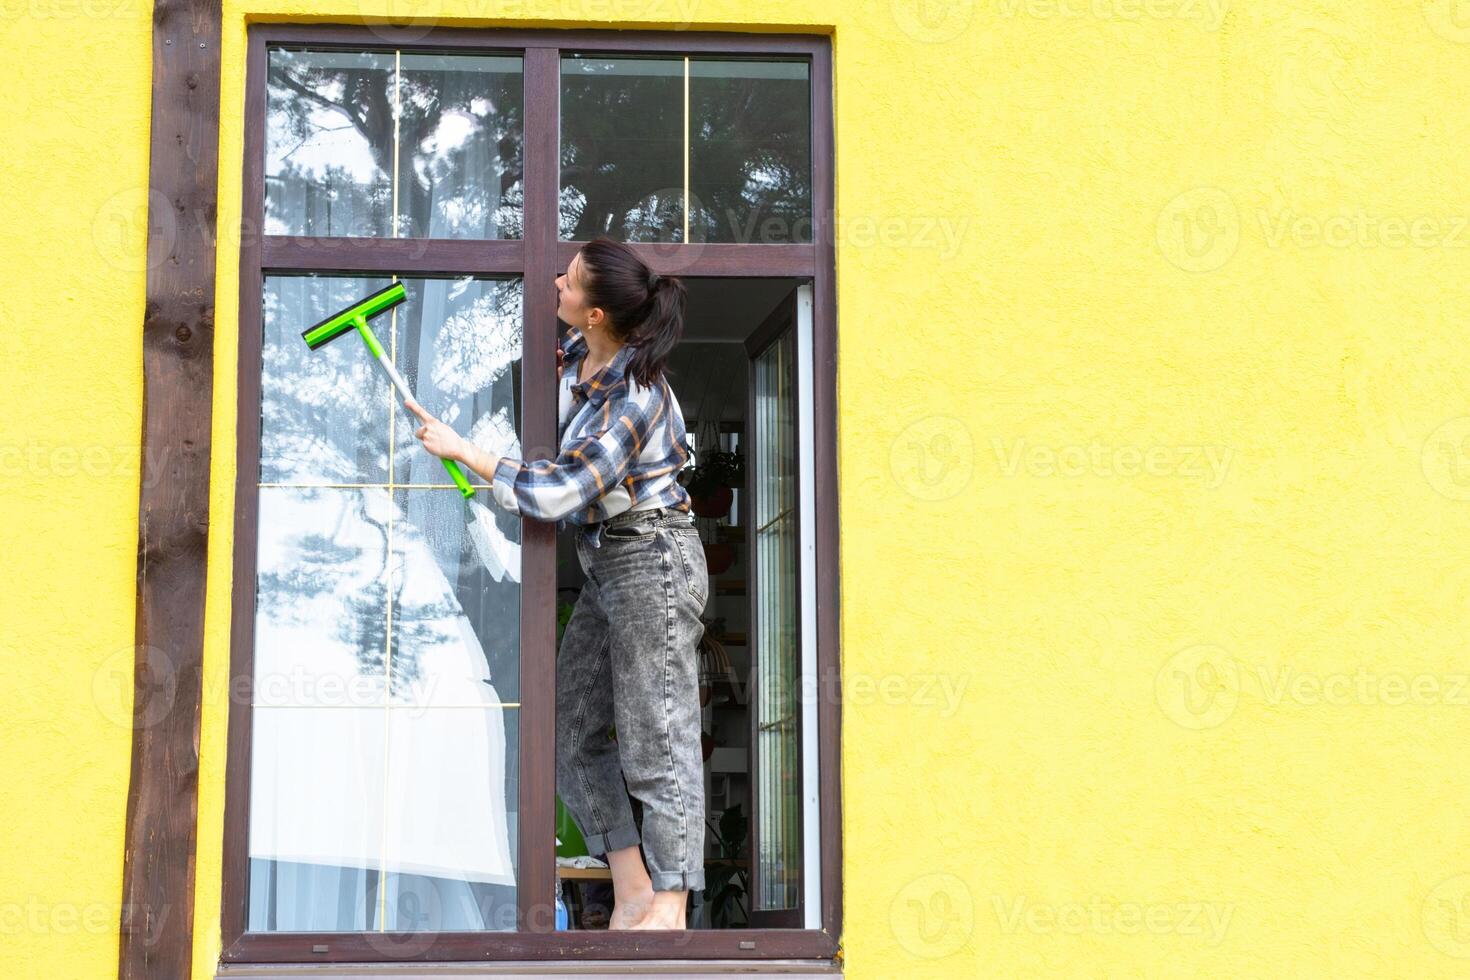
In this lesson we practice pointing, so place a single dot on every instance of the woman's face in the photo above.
(571, 303)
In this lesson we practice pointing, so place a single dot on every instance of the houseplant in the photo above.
(727, 883)
(711, 480)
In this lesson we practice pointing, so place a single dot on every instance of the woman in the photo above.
(629, 655)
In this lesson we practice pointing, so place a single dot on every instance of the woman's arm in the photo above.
(468, 453)
(588, 468)
(477, 459)
(547, 489)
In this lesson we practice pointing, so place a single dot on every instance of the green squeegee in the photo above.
(357, 316)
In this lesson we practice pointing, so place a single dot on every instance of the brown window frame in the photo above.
(537, 256)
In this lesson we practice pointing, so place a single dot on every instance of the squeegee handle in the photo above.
(455, 473)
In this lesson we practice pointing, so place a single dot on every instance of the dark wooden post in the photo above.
(157, 922)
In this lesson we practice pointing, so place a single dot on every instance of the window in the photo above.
(390, 793)
(389, 143)
(692, 149)
(387, 649)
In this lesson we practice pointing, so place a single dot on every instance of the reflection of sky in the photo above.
(338, 778)
(324, 557)
(332, 140)
(300, 655)
(455, 128)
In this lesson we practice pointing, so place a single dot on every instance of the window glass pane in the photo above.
(378, 143)
(329, 143)
(320, 597)
(456, 602)
(750, 151)
(450, 826)
(323, 413)
(316, 818)
(368, 814)
(329, 415)
(451, 806)
(460, 142)
(458, 345)
(622, 148)
(778, 638)
(385, 759)
(318, 708)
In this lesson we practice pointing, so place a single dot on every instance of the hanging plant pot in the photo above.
(709, 483)
(714, 504)
(719, 556)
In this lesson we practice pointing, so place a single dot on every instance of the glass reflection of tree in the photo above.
(749, 157)
(320, 565)
(493, 141)
(416, 626)
(604, 175)
(476, 343)
(297, 90)
(314, 401)
(364, 98)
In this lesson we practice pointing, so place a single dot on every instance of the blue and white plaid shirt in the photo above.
(622, 444)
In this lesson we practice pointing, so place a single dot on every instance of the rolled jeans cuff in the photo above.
(677, 881)
(614, 840)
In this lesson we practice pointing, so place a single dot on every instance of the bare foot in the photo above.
(628, 910)
(666, 911)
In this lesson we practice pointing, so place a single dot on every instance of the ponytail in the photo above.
(661, 329)
(650, 304)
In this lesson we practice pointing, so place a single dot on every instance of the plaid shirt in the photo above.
(622, 444)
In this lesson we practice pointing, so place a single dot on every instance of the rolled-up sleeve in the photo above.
(502, 483)
(549, 490)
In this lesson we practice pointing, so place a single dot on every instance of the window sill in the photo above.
(539, 970)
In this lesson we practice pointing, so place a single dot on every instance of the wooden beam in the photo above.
(536, 872)
(157, 921)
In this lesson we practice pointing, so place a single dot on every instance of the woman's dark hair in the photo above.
(646, 309)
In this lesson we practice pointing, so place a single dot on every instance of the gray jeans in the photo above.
(629, 656)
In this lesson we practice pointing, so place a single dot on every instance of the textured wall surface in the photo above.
(75, 171)
(1155, 461)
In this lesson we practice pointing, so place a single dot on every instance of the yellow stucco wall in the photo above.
(75, 173)
(1154, 433)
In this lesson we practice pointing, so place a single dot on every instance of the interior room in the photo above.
(712, 373)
